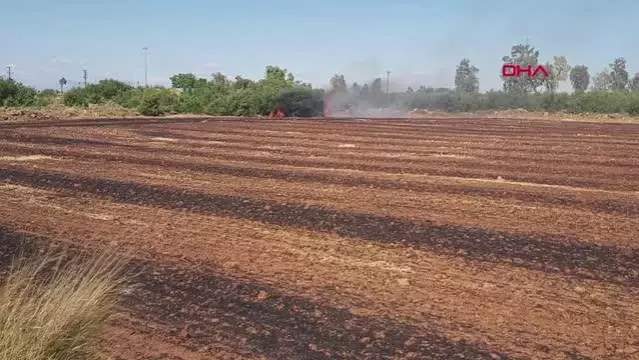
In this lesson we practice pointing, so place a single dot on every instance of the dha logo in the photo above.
(510, 70)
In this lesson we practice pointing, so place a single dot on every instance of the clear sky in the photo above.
(420, 42)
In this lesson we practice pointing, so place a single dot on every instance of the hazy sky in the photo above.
(421, 42)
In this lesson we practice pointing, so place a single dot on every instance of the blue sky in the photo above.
(420, 42)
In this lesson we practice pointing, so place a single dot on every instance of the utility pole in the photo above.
(84, 76)
(9, 72)
(387, 80)
(146, 81)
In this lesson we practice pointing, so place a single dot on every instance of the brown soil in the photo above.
(386, 239)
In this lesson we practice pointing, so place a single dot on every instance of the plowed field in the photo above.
(386, 239)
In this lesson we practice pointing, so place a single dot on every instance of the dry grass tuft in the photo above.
(54, 306)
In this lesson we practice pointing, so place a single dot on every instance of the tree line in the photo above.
(608, 91)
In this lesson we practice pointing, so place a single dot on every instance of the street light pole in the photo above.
(387, 80)
(146, 81)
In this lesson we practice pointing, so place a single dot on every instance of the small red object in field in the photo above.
(277, 113)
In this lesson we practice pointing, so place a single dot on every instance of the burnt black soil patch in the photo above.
(204, 308)
(581, 260)
(515, 138)
(587, 179)
(51, 140)
(606, 206)
(628, 181)
(626, 161)
(281, 326)
(102, 122)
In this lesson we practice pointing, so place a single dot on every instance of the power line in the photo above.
(9, 72)
(84, 76)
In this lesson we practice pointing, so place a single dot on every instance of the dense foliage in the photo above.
(610, 91)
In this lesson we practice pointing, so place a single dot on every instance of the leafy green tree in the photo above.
(242, 83)
(62, 82)
(466, 79)
(618, 75)
(522, 55)
(602, 81)
(14, 94)
(107, 90)
(580, 78)
(356, 89)
(634, 83)
(275, 73)
(338, 84)
(559, 71)
(186, 82)
(376, 86)
(157, 102)
(302, 102)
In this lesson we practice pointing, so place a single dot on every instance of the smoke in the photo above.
(366, 104)
(376, 102)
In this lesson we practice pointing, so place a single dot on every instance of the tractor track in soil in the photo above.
(330, 270)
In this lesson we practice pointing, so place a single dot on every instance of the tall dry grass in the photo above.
(54, 306)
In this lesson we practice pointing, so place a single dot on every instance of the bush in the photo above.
(241, 97)
(302, 102)
(46, 97)
(55, 307)
(100, 93)
(15, 94)
(157, 102)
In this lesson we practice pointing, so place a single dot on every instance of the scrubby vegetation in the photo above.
(609, 91)
(52, 307)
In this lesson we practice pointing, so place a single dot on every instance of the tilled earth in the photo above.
(386, 239)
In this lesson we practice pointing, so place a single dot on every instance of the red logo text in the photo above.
(517, 70)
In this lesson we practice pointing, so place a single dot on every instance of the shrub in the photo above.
(53, 307)
(102, 92)
(15, 94)
(301, 102)
(157, 102)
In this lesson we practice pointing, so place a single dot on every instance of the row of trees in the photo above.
(615, 78)
(610, 91)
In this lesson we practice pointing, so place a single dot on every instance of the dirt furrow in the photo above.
(531, 313)
(441, 208)
(624, 182)
(342, 150)
(424, 144)
(582, 260)
(434, 159)
(595, 200)
(372, 129)
(578, 136)
(216, 307)
(345, 238)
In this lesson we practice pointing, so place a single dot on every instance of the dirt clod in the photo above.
(262, 296)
